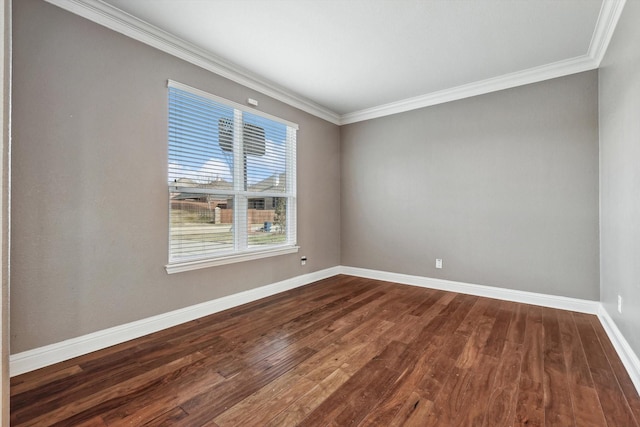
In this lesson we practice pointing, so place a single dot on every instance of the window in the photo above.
(231, 179)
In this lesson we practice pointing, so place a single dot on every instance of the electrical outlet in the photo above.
(438, 263)
(620, 304)
(303, 260)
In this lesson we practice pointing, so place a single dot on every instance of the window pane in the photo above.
(200, 225)
(265, 154)
(231, 176)
(200, 141)
(267, 221)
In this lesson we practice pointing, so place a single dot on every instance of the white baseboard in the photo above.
(43, 356)
(552, 301)
(627, 355)
(30, 360)
(622, 347)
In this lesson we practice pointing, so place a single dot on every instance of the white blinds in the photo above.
(231, 177)
(194, 153)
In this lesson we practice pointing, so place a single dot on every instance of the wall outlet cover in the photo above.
(620, 304)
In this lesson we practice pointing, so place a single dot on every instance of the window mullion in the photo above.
(240, 200)
(291, 189)
(223, 159)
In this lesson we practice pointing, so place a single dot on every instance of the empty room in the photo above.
(320, 212)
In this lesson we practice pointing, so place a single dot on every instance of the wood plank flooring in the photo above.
(346, 351)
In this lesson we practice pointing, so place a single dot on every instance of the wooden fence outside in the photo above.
(210, 212)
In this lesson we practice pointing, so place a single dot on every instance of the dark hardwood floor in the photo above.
(346, 351)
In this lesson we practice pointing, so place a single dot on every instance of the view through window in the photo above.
(231, 178)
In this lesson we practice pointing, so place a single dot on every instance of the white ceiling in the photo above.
(357, 56)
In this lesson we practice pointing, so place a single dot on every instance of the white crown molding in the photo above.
(507, 81)
(543, 300)
(117, 20)
(124, 23)
(43, 356)
(606, 25)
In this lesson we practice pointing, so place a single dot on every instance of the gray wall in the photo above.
(503, 187)
(620, 175)
(5, 64)
(90, 201)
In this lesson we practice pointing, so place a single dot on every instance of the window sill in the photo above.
(178, 267)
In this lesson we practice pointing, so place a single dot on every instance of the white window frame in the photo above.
(241, 252)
